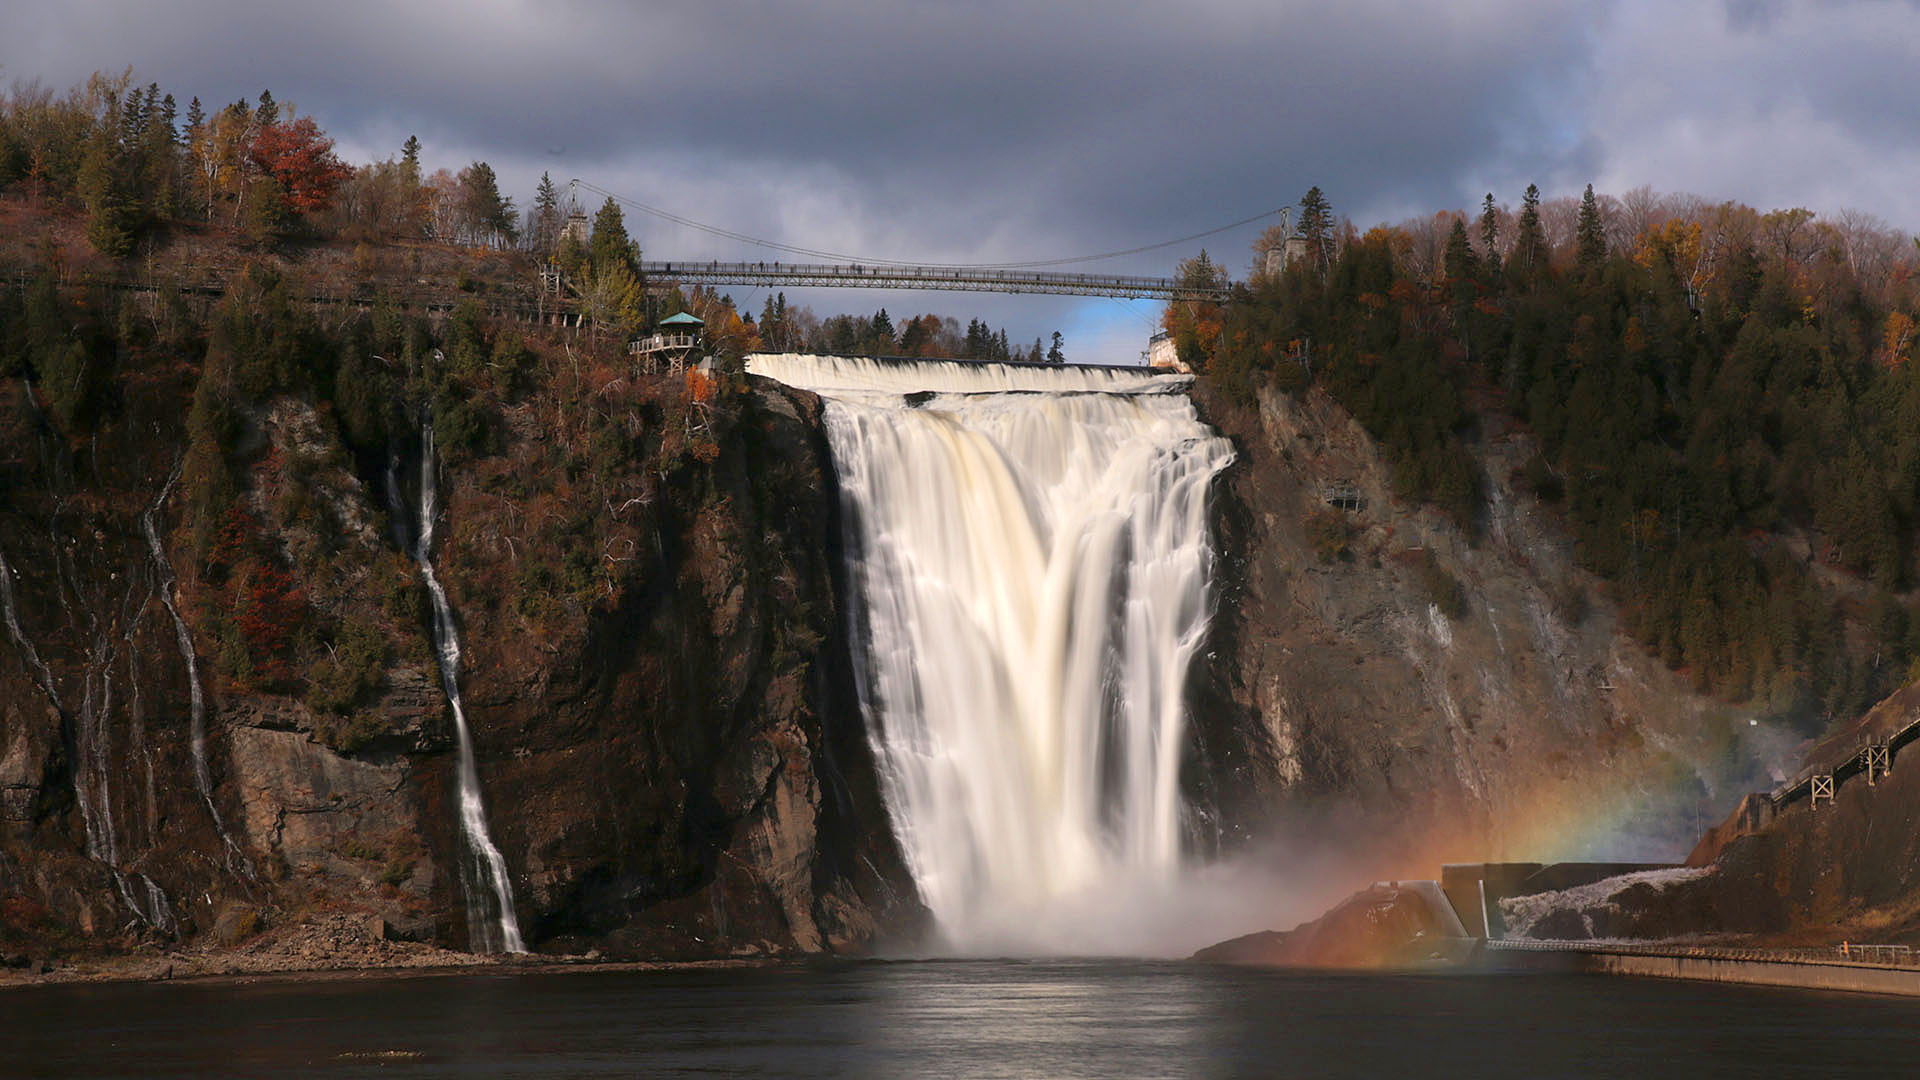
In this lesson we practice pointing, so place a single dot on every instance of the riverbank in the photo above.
(336, 947)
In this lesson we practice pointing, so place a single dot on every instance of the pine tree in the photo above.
(1316, 228)
(546, 215)
(1463, 272)
(1591, 234)
(610, 245)
(268, 114)
(880, 333)
(103, 186)
(1530, 250)
(1490, 234)
(1055, 355)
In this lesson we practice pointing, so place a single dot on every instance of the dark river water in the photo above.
(957, 1019)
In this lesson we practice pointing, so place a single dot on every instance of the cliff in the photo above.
(1389, 689)
(207, 737)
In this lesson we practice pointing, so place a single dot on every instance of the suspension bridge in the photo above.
(946, 278)
(846, 271)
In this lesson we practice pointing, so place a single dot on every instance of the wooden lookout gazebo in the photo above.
(674, 343)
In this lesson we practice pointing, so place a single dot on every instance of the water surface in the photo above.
(956, 1019)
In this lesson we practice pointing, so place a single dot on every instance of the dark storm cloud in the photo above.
(953, 125)
(995, 130)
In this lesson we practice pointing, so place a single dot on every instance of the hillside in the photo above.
(642, 569)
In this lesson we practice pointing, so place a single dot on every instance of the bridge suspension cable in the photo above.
(841, 257)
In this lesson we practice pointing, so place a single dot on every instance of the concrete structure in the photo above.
(1162, 356)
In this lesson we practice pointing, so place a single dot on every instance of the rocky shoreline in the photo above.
(335, 947)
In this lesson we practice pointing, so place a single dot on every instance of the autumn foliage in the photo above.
(1713, 398)
(300, 158)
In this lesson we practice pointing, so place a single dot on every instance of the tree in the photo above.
(1490, 234)
(614, 299)
(104, 187)
(878, 337)
(1054, 354)
(1195, 325)
(300, 158)
(1530, 250)
(1590, 234)
(546, 216)
(482, 214)
(610, 244)
(1316, 228)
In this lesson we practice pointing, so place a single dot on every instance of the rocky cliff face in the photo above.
(1387, 683)
(657, 678)
(659, 690)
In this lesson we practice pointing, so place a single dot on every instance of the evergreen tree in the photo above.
(268, 113)
(546, 215)
(880, 333)
(610, 245)
(1055, 355)
(1530, 250)
(485, 215)
(1316, 228)
(1591, 234)
(1490, 234)
(104, 186)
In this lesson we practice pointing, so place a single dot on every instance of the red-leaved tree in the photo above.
(300, 157)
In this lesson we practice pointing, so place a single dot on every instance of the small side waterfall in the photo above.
(484, 871)
(12, 622)
(197, 702)
(1033, 563)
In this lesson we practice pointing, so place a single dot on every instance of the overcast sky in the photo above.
(989, 130)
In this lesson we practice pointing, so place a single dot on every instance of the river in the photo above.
(954, 1019)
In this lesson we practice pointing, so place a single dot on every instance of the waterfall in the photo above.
(1032, 560)
(20, 641)
(196, 701)
(484, 871)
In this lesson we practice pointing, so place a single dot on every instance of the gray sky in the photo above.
(990, 131)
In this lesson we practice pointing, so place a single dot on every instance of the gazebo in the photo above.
(674, 342)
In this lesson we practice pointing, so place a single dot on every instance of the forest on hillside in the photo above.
(141, 169)
(1724, 401)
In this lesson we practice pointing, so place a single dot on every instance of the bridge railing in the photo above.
(857, 275)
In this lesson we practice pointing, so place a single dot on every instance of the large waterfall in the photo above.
(1032, 562)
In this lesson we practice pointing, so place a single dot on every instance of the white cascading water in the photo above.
(93, 770)
(12, 622)
(197, 702)
(1033, 564)
(486, 869)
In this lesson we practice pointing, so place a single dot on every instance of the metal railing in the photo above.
(952, 279)
(1897, 956)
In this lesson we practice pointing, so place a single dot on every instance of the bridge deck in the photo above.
(952, 279)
